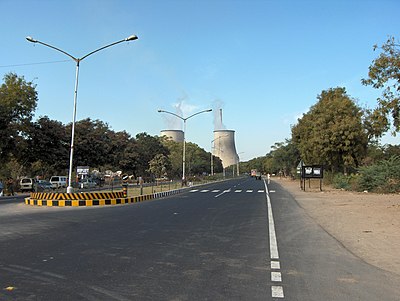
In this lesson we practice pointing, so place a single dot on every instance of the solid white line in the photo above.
(277, 291)
(273, 245)
(275, 265)
(276, 276)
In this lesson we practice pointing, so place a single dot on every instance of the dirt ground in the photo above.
(367, 224)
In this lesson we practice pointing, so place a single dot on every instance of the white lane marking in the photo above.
(272, 191)
(260, 191)
(238, 190)
(273, 245)
(194, 190)
(204, 190)
(276, 276)
(216, 190)
(277, 291)
(275, 265)
(249, 190)
(225, 191)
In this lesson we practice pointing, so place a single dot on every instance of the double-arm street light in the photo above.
(184, 133)
(77, 61)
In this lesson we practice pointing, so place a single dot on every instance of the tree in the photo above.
(18, 101)
(147, 148)
(332, 132)
(284, 157)
(47, 147)
(92, 143)
(159, 165)
(384, 72)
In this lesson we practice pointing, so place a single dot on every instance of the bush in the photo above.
(382, 177)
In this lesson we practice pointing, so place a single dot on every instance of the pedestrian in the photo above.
(10, 186)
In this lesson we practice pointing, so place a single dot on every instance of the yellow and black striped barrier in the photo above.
(90, 198)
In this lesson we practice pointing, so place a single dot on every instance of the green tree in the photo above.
(159, 165)
(332, 132)
(147, 148)
(284, 158)
(92, 143)
(384, 72)
(18, 100)
(47, 147)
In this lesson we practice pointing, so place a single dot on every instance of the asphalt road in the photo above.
(209, 243)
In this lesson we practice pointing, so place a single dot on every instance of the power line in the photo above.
(30, 64)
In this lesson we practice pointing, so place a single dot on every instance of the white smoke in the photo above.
(217, 109)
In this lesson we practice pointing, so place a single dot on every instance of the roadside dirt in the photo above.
(367, 224)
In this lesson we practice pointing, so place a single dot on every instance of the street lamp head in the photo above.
(30, 39)
(209, 110)
(131, 38)
(160, 111)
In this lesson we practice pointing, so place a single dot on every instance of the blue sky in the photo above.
(262, 62)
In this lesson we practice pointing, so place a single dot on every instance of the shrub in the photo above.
(382, 177)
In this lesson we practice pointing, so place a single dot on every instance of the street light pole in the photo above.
(77, 61)
(184, 134)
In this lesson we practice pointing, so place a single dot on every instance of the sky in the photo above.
(263, 63)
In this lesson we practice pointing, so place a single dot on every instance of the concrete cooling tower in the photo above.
(174, 135)
(224, 147)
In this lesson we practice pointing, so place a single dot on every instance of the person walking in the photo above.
(10, 186)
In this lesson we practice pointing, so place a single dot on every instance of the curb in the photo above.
(91, 199)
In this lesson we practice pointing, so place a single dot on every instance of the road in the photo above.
(235, 240)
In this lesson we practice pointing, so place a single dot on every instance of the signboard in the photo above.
(82, 170)
(312, 172)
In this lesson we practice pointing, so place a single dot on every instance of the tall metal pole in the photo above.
(77, 61)
(69, 188)
(184, 152)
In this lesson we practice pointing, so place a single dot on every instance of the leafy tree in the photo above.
(332, 132)
(92, 143)
(384, 72)
(198, 161)
(147, 147)
(18, 100)
(47, 147)
(159, 165)
(284, 157)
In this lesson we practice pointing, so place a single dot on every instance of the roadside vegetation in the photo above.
(336, 133)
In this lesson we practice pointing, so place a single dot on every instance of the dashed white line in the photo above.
(204, 190)
(276, 276)
(238, 190)
(277, 291)
(249, 190)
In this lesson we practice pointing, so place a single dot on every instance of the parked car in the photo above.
(43, 185)
(58, 182)
(27, 184)
(87, 183)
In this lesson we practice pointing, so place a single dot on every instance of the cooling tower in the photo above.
(224, 147)
(174, 135)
